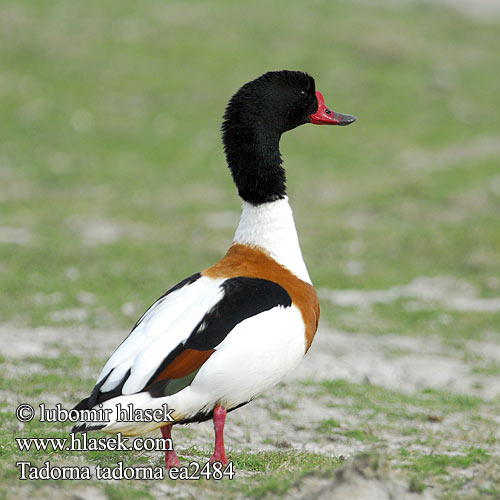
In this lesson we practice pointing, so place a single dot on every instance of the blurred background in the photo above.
(113, 180)
(113, 183)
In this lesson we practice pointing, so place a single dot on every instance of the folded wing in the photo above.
(180, 331)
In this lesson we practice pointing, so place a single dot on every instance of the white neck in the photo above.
(271, 227)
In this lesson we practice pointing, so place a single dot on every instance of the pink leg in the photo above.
(219, 420)
(171, 458)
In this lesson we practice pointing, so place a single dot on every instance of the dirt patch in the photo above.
(222, 220)
(450, 156)
(99, 231)
(17, 343)
(362, 478)
(479, 9)
(446, 292)
(402, 363)
(15, 235)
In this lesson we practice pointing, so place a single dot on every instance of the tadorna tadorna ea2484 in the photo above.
(219, 338)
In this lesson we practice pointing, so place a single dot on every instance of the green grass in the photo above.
(438, 466)
(328, 424)
(110, 161)
(381, 319)
(432, 465)
(383, 400)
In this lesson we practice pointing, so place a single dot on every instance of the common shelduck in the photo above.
(219, 338)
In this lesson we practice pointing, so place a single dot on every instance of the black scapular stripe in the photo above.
(243, 298)
(96, 396)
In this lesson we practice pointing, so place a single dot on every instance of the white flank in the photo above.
(271, 227)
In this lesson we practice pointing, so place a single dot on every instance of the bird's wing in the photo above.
(181, 330)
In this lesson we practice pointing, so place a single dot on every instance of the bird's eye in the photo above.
(303, 93)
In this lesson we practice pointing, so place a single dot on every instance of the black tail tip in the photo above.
(78, 428)
(82, 405)
(84, 427)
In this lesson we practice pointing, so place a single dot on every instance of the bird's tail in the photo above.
(130, 415)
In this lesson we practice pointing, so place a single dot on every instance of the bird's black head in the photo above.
(255, 118)
(275, 102)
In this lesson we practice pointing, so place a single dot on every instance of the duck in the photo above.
(219, 338)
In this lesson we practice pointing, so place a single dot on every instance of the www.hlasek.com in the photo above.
(83, 442)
